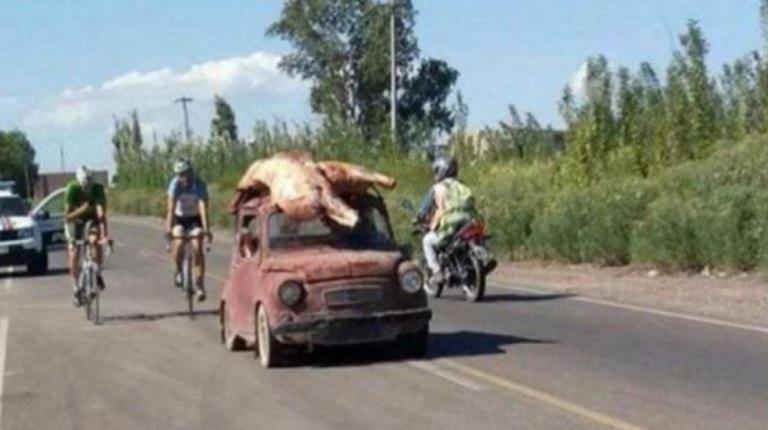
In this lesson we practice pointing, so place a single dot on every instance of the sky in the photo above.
(69, 67)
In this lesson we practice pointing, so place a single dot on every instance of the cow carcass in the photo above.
(305, 189)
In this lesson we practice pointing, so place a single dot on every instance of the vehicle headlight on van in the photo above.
(290, 293)
(411, 281)
(26, 233)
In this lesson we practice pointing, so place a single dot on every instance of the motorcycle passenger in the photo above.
(453, 206)
(86, 202)
(187, 216)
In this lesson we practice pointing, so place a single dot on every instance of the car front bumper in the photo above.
(17, 252)
(341, 330)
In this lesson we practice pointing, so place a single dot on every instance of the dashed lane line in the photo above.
(549, 399)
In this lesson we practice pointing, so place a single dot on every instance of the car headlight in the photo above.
(411, 281)
(26, 233)
(290, 293)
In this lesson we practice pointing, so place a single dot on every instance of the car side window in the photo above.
(249, 236)
(55, 206)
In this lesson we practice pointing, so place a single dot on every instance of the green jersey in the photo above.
(77, 196)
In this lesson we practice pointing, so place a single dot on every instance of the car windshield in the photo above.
(12, 206)
(371, 232)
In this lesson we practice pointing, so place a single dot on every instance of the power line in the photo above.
(184, 100)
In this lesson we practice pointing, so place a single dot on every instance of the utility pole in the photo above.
(393, 73)
(184, 100)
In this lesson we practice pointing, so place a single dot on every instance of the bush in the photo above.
(591, 224)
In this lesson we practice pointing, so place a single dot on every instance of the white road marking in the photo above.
(447, 375)
(3, 346)
(549, 399)
(644, 309)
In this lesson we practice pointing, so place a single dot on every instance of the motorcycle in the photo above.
(465, 260)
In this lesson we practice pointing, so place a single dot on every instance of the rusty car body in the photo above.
(297, 284)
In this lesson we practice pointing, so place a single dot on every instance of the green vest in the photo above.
(459, 208)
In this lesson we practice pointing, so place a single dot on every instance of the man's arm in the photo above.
(101, 212)
(203, 206)
(72, 213)
(439, 207)
(169, 213)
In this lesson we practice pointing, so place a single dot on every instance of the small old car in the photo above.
(294, 285)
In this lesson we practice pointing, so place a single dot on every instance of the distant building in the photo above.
(50, 182)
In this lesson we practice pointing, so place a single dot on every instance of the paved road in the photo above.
(520, 360)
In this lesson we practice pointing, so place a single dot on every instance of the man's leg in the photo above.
(430, 243)
(98, 256)
(176, 255)
(197, 246)
(73, 233)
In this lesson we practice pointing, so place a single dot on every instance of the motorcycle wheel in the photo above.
(474, 285)
(433, 291)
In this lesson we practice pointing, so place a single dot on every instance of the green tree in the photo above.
(342, 47)
(17, 161)
(701, 89)
(223, 123)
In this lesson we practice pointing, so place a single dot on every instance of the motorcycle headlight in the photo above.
(290, 293)
(26, 233)
(411, 281)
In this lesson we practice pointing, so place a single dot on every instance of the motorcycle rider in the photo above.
(449, 206)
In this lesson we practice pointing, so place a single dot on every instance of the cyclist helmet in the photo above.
(182, 166)
(445, 167)
(83, 176)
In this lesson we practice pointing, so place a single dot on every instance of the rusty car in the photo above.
(294, 285)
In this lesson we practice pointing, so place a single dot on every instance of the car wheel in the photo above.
(414, 345)
(232, 341)
(267, 349)
(39, 264)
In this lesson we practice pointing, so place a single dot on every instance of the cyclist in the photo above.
(187, 216)
(86, 202)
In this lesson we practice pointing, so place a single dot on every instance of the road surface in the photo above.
(518, 361)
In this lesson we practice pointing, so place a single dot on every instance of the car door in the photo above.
(243, 268)
(49, 216)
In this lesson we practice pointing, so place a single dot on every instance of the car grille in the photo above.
(9, 235)
(353, 296)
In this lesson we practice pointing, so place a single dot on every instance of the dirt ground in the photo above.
(741, 298)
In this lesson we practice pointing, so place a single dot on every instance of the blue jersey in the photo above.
(186, 199)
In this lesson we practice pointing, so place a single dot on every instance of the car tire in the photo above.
(414, 345)
(267, 349)
(231, 341)
(39, 264)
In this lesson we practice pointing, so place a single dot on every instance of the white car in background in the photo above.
(27, 236)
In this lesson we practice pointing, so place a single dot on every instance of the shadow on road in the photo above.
(441, 345)
(20, 272)
(143, 317)
(511, 297)
(473, 343)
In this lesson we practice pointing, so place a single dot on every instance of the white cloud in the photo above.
(253, 77)
(578, 82)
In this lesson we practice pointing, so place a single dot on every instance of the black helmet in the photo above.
(445, 167)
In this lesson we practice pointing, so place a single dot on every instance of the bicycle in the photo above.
(187, 263)
(88, 289)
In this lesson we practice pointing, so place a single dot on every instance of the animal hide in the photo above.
(304, 189)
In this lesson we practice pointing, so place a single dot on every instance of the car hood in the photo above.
(324, 264)
(15, 222)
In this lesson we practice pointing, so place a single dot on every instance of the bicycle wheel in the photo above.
(189, 283)
(85, 291)
(96, 305)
